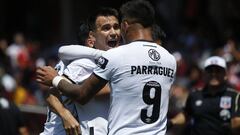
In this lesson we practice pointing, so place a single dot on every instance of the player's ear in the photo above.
(124, 25)
(91, 39)
(91, 34)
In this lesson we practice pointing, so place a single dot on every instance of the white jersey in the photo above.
(92, 116)
(72, 52)
(53, 124)
(140, 75)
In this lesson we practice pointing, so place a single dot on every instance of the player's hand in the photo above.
(70, 124)
(45, 75)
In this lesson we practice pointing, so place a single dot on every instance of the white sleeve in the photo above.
(72, 52)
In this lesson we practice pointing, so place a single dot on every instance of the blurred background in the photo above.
(32, 30)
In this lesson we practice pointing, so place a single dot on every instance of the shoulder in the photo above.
(232, 91)
(169, 58)
(87, 63)
(114, 53)
(166, 52)
(117, 49)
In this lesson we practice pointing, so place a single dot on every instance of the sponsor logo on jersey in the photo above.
(225, 102)
(153, 54)
(102, 62)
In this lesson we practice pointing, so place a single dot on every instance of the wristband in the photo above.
(56, 81)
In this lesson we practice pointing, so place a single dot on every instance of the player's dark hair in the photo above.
(103, 11)
(138, 11)
(158, 33)
(83, 33)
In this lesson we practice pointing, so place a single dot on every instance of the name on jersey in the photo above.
(153, 70)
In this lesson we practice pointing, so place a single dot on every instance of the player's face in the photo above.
(215, 75)
(107, 32)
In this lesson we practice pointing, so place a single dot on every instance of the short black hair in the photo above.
(138, 11)
(102, 11)
(83, 33)
(158, 33)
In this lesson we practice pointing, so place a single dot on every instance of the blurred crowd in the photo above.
(18, 62)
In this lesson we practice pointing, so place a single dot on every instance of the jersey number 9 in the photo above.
(151, 98)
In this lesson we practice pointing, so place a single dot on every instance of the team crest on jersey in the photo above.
(102, 62)
(225, 102)
(153, 54)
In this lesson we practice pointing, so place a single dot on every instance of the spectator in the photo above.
(12, 122)
(215, 109)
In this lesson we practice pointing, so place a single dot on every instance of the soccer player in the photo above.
(104, 27)
(140, 74)
(60, 115)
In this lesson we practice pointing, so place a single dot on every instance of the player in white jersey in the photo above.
(140, 74)
(107, 34)
(62, 113)
(89, 119)
(53, 124)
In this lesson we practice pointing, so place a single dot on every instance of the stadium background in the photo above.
(195, 29)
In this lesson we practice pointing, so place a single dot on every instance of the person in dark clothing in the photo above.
(215, 109)
(12, 122)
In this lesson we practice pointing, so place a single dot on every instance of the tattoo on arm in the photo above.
(84, 92)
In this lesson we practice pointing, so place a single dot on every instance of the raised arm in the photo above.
(72, 52)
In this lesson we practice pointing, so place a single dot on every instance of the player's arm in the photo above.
(82, 93)
(72, 52)
(105, 91)
(70, 124)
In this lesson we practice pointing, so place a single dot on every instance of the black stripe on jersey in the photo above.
(150, 46)
(69, 78)
(91, 131)
(49, 115)
(151, 41)
(99, 77)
